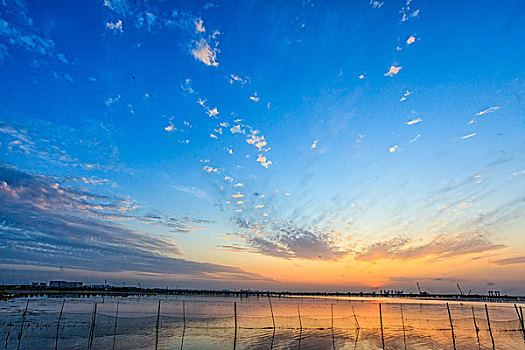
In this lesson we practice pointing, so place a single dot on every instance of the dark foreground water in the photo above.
(193, 322)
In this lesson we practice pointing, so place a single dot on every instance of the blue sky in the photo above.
(298, 144)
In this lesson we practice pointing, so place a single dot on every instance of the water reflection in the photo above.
(290, 323)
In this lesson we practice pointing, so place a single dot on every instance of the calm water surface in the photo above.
(194, 322)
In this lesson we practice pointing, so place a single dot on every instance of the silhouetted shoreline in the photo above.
(22, 291)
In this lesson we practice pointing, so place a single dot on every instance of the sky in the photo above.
(272, 145)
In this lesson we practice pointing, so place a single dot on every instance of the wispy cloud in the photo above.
(117, 26)
(199, 26)
(440, 247)
(405, 95)
(236, 79)
(60, 230)
(194, 191)
(204, 53)
(511, 261)
(20, 31)
(414, 121)
(468, 136)
(393, 71)
(289, 242)
(488, 110)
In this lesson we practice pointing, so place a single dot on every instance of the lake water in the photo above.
(197, 322)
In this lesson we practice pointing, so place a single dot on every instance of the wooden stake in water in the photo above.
(332, 318)
(184, 313)
(22, 326)
(115, 326)
(58, 325)
(490, 329)
(300, 322)
(403, 324)
(355, 318)
(332, 315)
(235, 315)
(381, 323)
(183, 324)
(9, 333)
(92, 328)
(522, 323)
(157, 328)
(271, 309)
(520, 319)
(475, 325)
(451, 328)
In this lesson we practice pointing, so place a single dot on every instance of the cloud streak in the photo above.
(45, 224)
(440, 247)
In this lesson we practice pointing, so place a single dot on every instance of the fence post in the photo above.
(332, 315)
(271, 309)
(22, 326)
(332, 318)
(184, 313)
(183, 324)
(520, 318)
(115, 326)
(58, 325)
(92, 328)
(451, 328)
(7, 335)
(355, 318)
(235, 315)
(490, 329)
(522, 323)
(300, 322)
(157, 328)
(403, 324)
(381, 323)
(475, 325)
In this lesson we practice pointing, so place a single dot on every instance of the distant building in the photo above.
(38, 284)
(65, 284)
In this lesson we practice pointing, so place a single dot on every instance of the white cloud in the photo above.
(411, 40)
(407, 93)
(393, 148)
(414, 121)
(191, 190)
(234, 78)
(255, 98)
(116, 27)
(264, 162)
(199, 26)
(257, 141)
(362, 76)
(488, 110)
(468, 136)
(415, 138)
(314, 144)
(213, 112)
(210, 169)
(204, 53)
(393, 71)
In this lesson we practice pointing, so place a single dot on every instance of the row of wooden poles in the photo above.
(519, 312)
